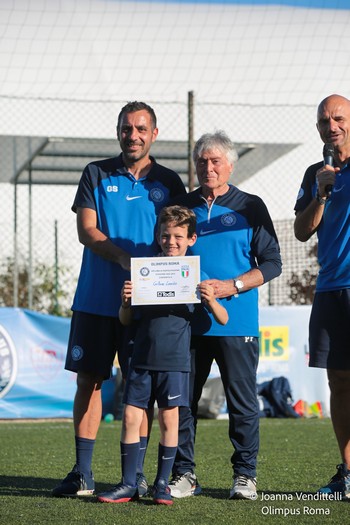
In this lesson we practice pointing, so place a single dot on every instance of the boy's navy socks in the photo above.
(129, 456)
(143, 447)
(166, 458)
(84, 449)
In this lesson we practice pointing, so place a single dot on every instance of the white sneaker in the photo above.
(244, 487)
(184, 485)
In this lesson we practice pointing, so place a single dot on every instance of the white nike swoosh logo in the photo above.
(335, 190)
(174, 397)
(205, 232)
(163, 457)
(128, 198)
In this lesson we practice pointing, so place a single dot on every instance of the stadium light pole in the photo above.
(190, 103)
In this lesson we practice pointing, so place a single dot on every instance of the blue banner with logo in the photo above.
(33, 382)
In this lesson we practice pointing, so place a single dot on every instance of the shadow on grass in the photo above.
(28, 486)
(21, 486)
(216, 493)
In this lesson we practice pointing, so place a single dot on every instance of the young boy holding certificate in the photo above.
(160, 364)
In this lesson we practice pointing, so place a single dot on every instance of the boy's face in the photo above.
(174, 240)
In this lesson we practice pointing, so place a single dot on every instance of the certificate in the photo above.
(165, 280)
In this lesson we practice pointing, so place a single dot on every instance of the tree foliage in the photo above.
(302, 285)
(48, 296)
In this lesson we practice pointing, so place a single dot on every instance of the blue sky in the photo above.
(319, 4)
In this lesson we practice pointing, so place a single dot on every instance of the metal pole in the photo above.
(190, 140)
(30, 240)
(15, 249)
(26, 166)
(56, 269)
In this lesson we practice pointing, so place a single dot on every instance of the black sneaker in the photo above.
(336, 485)
(75, 484)
(161, 493)
(121, 493)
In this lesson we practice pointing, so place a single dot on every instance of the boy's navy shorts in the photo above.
(144, 387)
(93, 342)
(329, 330)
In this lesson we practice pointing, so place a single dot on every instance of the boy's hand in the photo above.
(126, 294)
(207, 292)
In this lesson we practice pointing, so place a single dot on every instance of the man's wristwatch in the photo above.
(238, 285)
(320, 200)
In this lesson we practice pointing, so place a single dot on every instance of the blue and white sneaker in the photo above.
(346, 490)
(336, 484)
(75, 484)
(185, 485)
(244, 487)
(142, 485)
(121, 493)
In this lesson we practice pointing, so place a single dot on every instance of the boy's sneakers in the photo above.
(75, 484)
(244, 487)
(161, 493)
(142, 485)
(339, 483)
(121, 493)
(184, 485)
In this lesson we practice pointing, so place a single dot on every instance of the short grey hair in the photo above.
(217, 140)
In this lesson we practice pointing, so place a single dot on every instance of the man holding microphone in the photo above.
(323, 206)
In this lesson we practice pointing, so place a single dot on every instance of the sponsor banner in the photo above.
(284, 351)
(34, 384)
(274, 343)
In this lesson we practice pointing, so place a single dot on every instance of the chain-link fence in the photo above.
(40, 253)
(257, 71)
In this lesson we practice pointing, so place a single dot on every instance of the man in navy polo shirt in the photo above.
(117, 204)
(323, 206)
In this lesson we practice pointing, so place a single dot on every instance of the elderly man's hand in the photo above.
(222, 288)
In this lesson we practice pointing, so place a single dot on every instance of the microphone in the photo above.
(328, 158)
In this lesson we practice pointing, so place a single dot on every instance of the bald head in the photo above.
(332, 100)
(333, 124)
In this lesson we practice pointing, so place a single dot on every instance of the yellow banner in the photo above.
(274, 343)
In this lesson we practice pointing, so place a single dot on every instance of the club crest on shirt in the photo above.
(228, 219)
(8, 362)
(157, 195)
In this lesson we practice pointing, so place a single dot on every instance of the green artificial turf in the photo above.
(296, 457)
